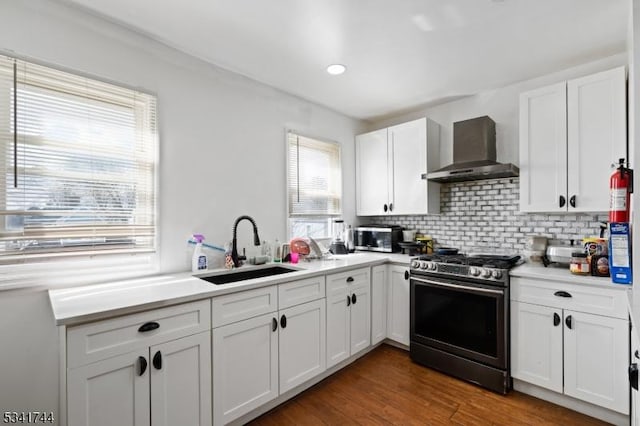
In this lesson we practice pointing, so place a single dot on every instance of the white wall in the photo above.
(222, 155)
(502, 105)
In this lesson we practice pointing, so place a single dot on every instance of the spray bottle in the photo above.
(199, 259)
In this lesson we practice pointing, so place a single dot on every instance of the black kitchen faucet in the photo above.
(234, 245)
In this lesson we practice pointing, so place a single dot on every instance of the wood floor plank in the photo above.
(385, 388)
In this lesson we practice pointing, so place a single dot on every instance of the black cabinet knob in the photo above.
(350, 279)
(569, 322)
(348, 300)
(385, 208)
(283, 321)
(563, 201)
(354, 299)
(406, 275)
(157, 361)
(556, 319)
(633, 376)
(562, 294)
(390, 207)
(572, 201)
(274, 325)
(142, 365)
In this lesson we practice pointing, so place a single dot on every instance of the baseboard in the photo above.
(571, 403)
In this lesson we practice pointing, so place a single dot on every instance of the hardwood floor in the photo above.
(384, 387)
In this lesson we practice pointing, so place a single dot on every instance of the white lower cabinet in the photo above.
(557, 347)
(162, 383)
(245, 367)
(536, 339)
(259, 358)
(348, 314)
(378, 303)
(132, 370)
(596, 352)
(302, 343)
(108, 392)
(398, 304)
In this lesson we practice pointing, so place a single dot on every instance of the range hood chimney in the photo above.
(474, 154)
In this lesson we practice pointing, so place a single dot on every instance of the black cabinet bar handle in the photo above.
(563, 201)
(569, 322)
(350, 279)
(406, 275)
(157, 360)
(148, 326)
(562, 294)
(348, 300)
(354, 299)
(274, 325)
(385, 208)
(142, 365)
(283, 321)
(572, 201)
(556, 319)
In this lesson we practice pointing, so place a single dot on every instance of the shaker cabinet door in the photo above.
(536, 345)
(596, 358)
(114, 391)
(543, 149)
(372, 176)
(180, 389)
(596, 137)
(245, 367)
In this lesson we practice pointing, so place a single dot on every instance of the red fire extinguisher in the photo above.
(620, 189)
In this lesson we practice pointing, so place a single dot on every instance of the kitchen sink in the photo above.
(235, 275)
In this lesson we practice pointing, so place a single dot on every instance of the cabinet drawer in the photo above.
(246, 304)
(337, 283)
(594, 300)
(301, 291)
(100, 340)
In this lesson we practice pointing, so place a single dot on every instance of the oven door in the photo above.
(462, 318)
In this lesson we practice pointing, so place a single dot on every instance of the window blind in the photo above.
(77, 165)
(314, 176)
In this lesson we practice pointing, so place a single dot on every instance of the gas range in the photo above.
(492, 269)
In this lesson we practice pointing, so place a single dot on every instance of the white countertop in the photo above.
(88, 303)
(558, 273)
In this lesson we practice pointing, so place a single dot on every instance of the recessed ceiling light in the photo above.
(336, 69)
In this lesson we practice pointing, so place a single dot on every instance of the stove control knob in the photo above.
(433, 266)
(424, 264)
(486, 273)
(474, 271)
(497, 274)
(415, 264)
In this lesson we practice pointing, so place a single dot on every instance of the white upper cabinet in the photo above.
(570, 134)
(391, 165)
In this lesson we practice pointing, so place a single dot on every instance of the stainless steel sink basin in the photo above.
(246, 274)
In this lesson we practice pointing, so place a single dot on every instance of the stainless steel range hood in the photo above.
(474, 154)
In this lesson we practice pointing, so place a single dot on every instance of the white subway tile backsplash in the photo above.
(486, 215)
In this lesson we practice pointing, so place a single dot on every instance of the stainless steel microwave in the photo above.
(384, 238)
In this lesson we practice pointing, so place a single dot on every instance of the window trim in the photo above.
(287, 216)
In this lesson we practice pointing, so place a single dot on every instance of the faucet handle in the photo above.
(244, 254)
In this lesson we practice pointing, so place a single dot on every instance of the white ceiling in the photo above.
(400, 54)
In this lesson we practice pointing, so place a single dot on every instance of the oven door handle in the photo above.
(456, 286)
